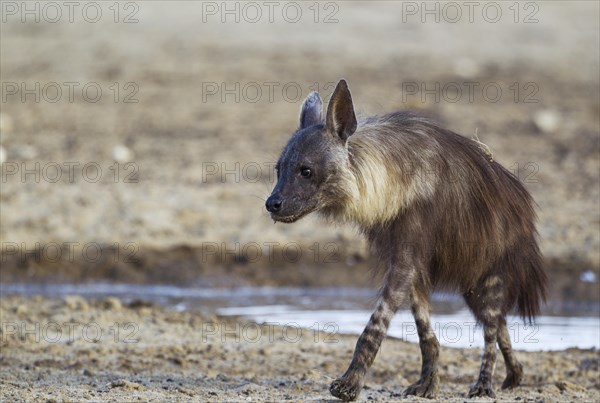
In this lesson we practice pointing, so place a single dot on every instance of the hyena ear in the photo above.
(340, 118)
(311, 112)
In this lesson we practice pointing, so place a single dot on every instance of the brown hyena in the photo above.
(438, 211)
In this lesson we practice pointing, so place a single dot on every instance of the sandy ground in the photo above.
(78, 350)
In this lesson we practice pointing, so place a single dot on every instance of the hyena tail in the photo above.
(533, 290)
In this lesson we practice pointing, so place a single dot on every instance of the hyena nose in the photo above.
(273, 204)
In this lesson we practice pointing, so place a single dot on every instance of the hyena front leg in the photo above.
(349, 385)
(428, 384)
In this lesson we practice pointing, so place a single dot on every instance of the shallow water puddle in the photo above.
(456, 329)
(336, 311)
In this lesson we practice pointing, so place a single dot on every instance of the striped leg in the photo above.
(483, 386)
(514, 369)
(486, 301)
(348, 386)
(428, 383)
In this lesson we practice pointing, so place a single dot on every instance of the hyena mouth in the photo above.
(287, 220)
(290, 218)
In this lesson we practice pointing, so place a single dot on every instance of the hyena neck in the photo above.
(373, 185)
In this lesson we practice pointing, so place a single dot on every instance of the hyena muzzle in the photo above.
(437, 210)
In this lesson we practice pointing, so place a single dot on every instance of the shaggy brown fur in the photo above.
(437, 210)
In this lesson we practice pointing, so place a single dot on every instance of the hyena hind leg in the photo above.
(428, 384)
(514, 369)
(483, 386)
(486, 301)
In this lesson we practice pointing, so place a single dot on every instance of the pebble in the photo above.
(111, 304)
(566, 385)
(21, 309)
(184, 390)
(313, 375)
(222, 377)
(76, 303)
(123, 383)
(122, 154)
(547, 121)
(178, 361)
(139, 303)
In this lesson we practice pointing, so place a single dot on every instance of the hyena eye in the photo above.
(305, 172)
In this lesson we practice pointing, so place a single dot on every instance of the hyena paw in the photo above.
(345, 389)
(427, 386)
(482, 388)
(514, 376)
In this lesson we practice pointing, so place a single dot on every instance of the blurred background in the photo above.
(138, 139)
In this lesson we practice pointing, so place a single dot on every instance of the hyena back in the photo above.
(438, 211)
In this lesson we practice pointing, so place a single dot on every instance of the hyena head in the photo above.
(313, 167)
